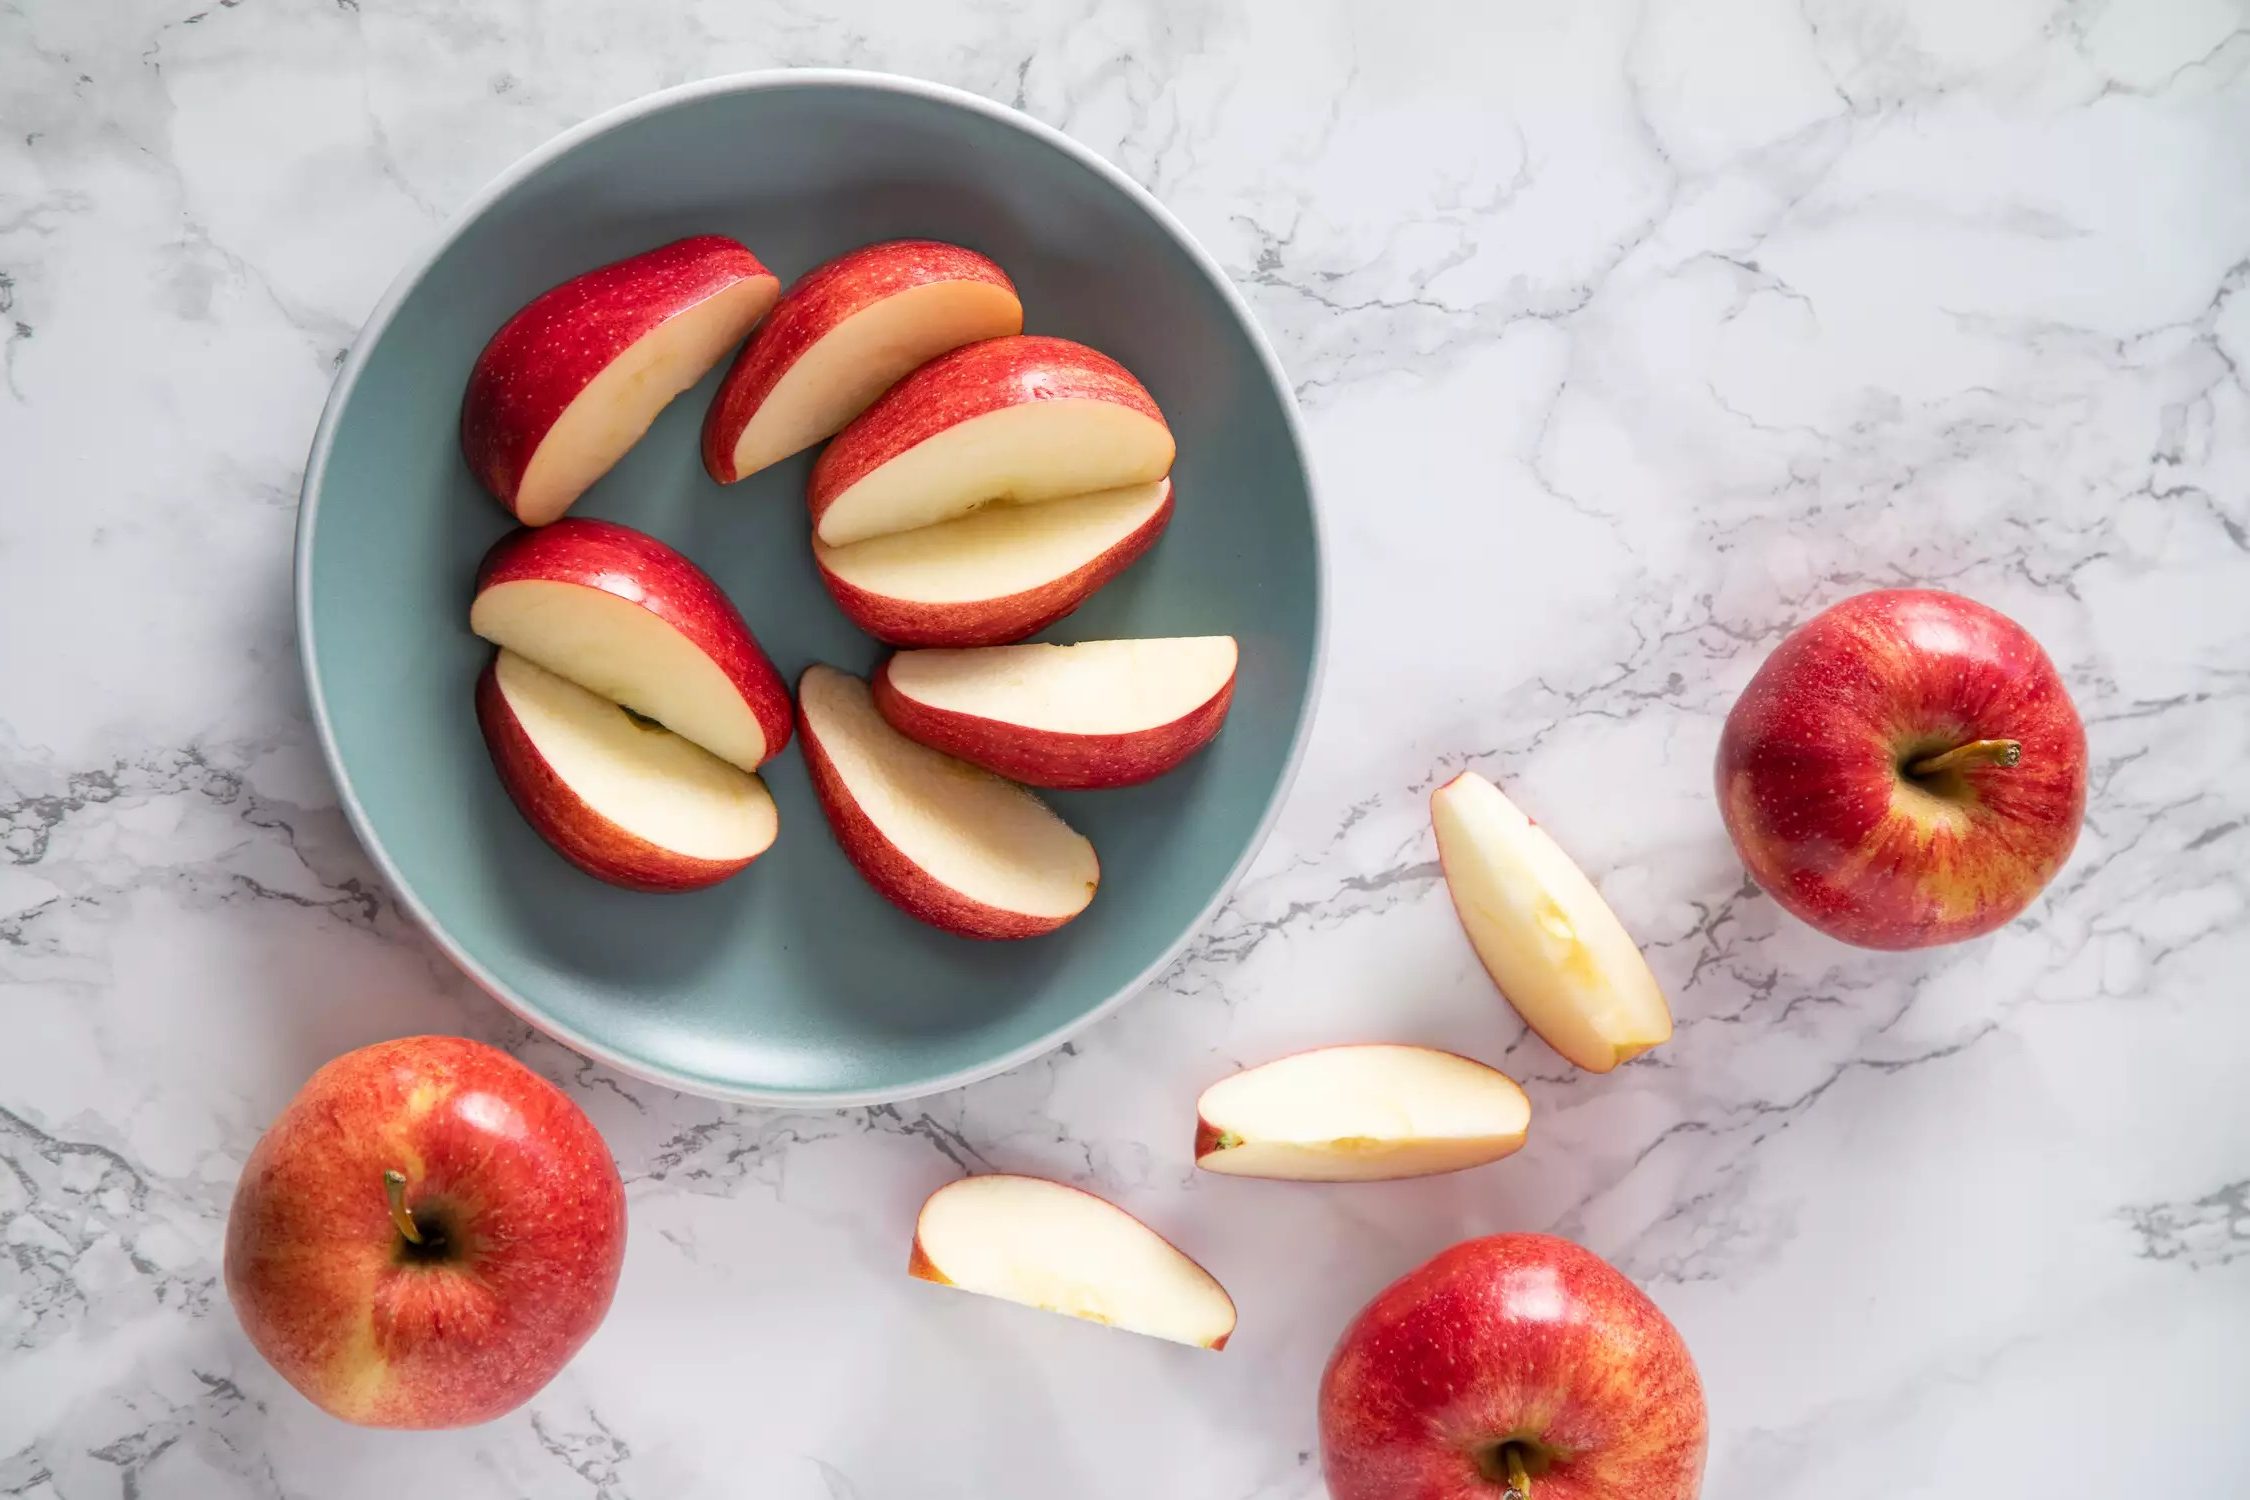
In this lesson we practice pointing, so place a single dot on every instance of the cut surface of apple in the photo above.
(1543, 932)
(574, 379)
(1096, 714)
(628, 617)
(945, 841)
(624, 800)
(996, 576)
(1360, 1114)
(1009, 421)
(843, 334)
(1057, 1248)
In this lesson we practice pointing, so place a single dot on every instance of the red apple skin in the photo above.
(636, 566)
(1514, 1337)
(1811, 787)
(815, 304)
(541, 358)
(569, 824)
(971, 381)
(897, 879)
(1000, 621)
(511, 1172)
(1038, 757)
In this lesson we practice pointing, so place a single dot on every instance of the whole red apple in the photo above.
(1905, 770)
(425, 1236)
(1515, 1363)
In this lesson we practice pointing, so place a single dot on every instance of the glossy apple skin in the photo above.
(1044, 758)
(1514, 1337)
(971, 381)
(999, 621)
(513, 1173)
(569, 824)
(636, 566)
(541, 358)
(815, 304)
(1810, 785)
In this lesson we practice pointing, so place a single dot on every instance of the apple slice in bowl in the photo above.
(1360, 1114)
(1056, 1248)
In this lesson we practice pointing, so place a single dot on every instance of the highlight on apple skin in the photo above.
(1905, 770)
(572, 381)
(1365, 1112)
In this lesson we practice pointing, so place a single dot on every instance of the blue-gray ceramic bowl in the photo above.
(793, 983)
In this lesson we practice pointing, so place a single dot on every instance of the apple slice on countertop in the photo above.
(572, 381)
(1097, 714)
(1543, 932)
(622, 799)
(1360, 1113)
(843, 334)
(1063, 1250)
(947, 843)
(1010, 421)
(996, 576)
(628, 617)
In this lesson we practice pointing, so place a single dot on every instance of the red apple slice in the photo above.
(1359, 1114)
(1097, 714)
(996, 576)
(1544, 934)
(1027, 1240)
(622, 799)
(572, 381)
(1006, 422)
(945, 842)
(621, 614)
(841, 336)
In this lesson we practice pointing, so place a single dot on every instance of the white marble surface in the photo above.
(1627, 335)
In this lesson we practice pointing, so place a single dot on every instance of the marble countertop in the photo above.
(1627, 335)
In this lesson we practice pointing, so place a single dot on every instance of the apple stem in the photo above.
(1519, 1483)
(1975, 753)
(394, 1190)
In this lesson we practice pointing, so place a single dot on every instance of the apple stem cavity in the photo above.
(1506, 1464)
(394, 1191)
(2002, 753)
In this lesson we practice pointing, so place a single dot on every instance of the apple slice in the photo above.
(620, 613)
(573, 380)
(1027, 1240)
(996, 576)
(1359, 1114)
(1098, 714)
(842, 335)
(1544, 934)
(1006, 422)
(945, 842)
(622, 799)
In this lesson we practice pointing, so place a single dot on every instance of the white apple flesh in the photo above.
(1360, 1114)
(1039, 1243)
(1543, 932)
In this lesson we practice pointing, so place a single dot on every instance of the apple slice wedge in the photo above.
(843, 334)
(942, 840)
(1097, 714)
(1057, 1248)
(622, 799)
(996, 576)
(572, 381)
(1010, 421)
(626, 616)
(1360, 1114)
(1543, 932)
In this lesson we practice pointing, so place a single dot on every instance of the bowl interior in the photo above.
(794, 981)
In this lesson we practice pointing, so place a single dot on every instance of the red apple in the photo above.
(1009, 421)
(842, 335)
(627, 617)
(425, 1236)
(1517, 1361)
(1905, 770)
(572, 381)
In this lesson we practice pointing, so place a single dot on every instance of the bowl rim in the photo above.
(402, 286)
